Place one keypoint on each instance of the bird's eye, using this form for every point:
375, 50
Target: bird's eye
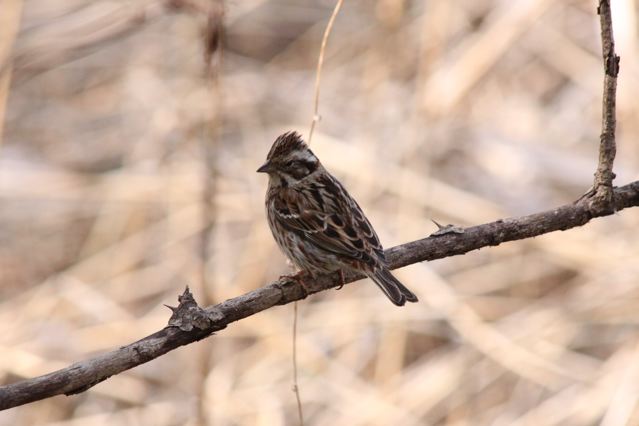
291, 163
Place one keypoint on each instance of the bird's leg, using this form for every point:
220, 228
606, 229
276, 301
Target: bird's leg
299, 278
341, 279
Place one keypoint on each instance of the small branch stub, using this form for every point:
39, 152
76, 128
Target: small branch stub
188, 314
446, 229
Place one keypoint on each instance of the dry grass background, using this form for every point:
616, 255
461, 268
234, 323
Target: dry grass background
463, 111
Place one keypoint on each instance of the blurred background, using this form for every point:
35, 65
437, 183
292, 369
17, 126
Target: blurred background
127, 171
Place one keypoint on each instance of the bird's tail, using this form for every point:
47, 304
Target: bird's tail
392, 288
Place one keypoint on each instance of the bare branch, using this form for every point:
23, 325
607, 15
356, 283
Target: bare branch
602, 188
190, 323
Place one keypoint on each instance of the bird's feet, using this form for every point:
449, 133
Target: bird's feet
300, 279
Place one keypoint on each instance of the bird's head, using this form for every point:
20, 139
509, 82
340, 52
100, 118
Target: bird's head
290, 160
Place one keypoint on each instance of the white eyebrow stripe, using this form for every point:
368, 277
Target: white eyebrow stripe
304, 155
290, 216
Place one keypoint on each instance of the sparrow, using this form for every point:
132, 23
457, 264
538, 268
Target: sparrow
317, 224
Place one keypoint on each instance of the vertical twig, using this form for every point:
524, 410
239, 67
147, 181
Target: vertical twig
212, 67
296, 389
320, 62
212, 62
602, 188
316, 117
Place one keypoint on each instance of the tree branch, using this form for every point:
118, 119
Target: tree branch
602, 188
190, 323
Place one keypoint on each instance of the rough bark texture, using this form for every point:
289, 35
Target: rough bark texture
190, 323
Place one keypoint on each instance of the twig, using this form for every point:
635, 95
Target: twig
296, 388
211, 131
316, 117
602, 188
192, 324
320, 62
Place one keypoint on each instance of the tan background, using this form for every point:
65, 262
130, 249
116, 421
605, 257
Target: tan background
464, 111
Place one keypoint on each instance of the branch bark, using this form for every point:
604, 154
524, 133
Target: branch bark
191, 323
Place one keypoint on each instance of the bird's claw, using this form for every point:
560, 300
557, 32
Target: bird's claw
299, 279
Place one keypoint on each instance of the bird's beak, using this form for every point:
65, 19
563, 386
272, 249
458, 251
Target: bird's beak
265, 168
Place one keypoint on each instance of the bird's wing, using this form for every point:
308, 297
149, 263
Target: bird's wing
324, 214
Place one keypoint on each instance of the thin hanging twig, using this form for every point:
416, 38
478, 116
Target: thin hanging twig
320, 62
296, 388
318, 75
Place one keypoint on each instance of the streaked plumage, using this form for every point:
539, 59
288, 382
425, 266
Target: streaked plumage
315, 221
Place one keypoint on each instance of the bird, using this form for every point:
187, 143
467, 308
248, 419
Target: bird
317, 224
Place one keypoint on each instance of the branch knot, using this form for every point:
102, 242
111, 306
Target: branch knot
188, 314
612, 63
